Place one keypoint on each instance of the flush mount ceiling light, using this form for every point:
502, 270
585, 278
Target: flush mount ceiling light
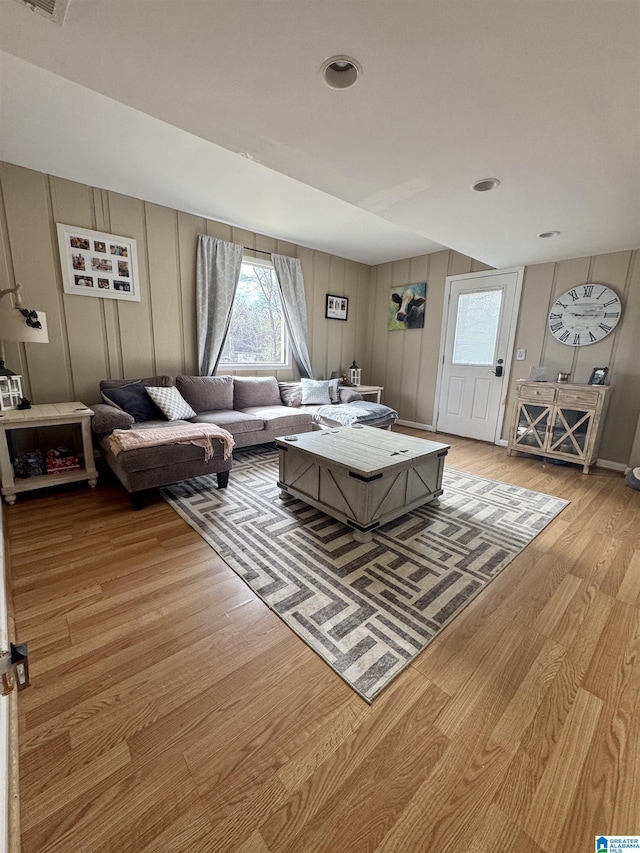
546, 235
340, 72
485, 184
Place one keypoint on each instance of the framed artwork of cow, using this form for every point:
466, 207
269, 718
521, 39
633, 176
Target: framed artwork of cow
406, 308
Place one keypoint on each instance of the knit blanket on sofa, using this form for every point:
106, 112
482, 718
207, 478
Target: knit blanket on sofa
202, 435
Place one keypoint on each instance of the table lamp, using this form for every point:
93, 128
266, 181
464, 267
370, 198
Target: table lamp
17, 324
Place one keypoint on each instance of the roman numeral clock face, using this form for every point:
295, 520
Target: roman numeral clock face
585, 315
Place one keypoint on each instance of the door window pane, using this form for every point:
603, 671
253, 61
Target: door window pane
477, 325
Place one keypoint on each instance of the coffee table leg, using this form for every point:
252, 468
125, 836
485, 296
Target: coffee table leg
283, 494
435, 502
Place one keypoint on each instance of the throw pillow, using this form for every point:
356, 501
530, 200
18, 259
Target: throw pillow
171, 403
291, 393
134, 400
348, 395
334, 390
319, 392
108, 418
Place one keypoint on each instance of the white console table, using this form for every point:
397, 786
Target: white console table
46, 415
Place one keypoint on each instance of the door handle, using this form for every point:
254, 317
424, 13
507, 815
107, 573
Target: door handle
499, 368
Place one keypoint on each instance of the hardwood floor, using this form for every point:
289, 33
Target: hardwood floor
172, 711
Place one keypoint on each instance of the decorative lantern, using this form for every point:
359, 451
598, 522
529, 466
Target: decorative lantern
355, 374
10, 388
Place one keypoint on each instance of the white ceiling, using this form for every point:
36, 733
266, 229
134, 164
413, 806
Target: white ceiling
217, 107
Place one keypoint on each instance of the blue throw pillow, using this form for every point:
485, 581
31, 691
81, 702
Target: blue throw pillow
134, 400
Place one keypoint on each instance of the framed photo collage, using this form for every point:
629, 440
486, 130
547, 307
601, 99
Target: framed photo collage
98, 264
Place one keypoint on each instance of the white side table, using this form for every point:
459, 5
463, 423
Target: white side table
48, 414
370, 391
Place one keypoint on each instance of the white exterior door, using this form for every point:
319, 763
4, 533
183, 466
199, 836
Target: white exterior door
479, 322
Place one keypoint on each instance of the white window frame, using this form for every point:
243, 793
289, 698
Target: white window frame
287, 364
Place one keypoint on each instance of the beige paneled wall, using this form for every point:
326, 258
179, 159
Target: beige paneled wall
92, 339
406, 362
619, 351
95, 338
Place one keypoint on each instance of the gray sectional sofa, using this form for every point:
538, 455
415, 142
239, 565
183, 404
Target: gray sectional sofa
255, 410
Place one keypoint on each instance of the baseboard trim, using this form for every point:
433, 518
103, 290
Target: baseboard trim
415, 425
612, 466
502, 442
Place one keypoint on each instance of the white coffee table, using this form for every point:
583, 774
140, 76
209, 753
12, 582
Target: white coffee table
364, 477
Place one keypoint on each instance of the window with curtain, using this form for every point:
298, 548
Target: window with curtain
257, 337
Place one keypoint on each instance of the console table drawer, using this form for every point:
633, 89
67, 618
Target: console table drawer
544, 394
577, 397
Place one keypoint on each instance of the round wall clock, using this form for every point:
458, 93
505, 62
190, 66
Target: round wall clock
585, 315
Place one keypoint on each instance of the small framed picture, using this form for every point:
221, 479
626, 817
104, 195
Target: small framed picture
98, 264
598, 375
337, 307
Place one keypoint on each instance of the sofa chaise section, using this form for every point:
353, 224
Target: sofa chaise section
151, 467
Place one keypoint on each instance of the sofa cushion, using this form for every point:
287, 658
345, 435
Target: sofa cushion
291, 393
234, 422
205, 393
280, 418
255, 391
133, 399
319, 392
171, 403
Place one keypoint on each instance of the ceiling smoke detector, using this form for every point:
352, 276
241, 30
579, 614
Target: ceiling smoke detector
54, 10
485, 184
340, 72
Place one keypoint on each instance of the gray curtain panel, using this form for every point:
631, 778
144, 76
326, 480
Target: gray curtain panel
217, 274
289, 274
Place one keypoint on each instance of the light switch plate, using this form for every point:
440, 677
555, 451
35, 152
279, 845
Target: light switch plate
521, 354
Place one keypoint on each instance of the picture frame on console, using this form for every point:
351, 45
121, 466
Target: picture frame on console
337, 307
598, 375
94, 263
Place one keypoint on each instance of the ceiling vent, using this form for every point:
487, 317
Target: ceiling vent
54, 10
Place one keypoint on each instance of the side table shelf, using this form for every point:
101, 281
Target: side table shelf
46, 415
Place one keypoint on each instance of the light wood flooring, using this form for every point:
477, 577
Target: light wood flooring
172, 711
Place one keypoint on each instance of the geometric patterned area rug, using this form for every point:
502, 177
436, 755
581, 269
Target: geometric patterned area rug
366, 609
